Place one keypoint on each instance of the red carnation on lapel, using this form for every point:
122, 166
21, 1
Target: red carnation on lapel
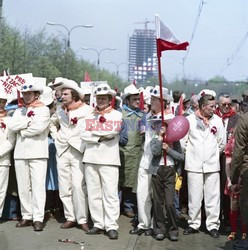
30, 113
3, 125
74, 120
213, 130
102, 119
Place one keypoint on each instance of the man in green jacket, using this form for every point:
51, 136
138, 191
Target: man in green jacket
239, 166
131, 153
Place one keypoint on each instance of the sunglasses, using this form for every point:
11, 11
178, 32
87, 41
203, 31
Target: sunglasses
27, 87
226, 104
100, 89
154, 91
156, 117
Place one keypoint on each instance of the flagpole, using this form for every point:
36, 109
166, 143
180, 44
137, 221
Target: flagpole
161, 93
165, 41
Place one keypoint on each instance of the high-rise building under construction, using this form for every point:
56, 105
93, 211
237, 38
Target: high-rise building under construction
142, 56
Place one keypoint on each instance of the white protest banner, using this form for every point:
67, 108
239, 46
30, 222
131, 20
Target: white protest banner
14, 81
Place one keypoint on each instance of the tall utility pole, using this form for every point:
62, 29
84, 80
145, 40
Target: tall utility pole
1, 9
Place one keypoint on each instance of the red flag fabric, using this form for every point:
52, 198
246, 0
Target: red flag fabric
166, 39
87, 77
141, 106
180, 106
113, 101
19, 99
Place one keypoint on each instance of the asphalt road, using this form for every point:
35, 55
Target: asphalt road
12, 238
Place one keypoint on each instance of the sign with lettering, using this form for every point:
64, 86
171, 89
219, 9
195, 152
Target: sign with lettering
13, 81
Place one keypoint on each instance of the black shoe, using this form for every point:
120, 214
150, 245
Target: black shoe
112, 234
149, 232
94, 230
214, 233
160, 237
189, 231
138, 231
24, 223
38, 226
173, 235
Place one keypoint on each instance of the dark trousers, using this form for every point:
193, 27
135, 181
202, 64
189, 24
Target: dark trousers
129, 200
183, 196
163, 186
244, 198
224, 199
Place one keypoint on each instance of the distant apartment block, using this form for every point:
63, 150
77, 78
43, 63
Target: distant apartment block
142, 56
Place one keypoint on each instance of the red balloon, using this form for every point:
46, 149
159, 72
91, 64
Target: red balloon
177, 128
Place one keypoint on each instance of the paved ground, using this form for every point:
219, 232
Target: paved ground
12, 238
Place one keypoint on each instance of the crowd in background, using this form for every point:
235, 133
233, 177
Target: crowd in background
89, 156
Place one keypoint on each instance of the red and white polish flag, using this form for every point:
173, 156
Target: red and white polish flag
166, 40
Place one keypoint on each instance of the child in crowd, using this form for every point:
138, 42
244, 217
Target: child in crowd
163, 184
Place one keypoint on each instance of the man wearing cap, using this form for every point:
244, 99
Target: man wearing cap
102, 159
229, 119
203, 145
65, 128
30, 123
144, 189
131, 153
7, 143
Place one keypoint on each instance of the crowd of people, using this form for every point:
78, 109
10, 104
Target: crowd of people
88, 161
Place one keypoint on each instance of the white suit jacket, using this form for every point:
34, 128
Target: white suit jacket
7, 143
202, 146
104, 152
65, 132
31, 132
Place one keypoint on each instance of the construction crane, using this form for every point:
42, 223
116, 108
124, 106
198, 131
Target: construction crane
145, 23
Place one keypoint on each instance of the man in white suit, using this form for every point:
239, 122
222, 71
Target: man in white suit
203, 145
65, 128
101, 158
7, 142
30, 123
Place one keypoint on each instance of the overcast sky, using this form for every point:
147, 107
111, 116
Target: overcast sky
221, 27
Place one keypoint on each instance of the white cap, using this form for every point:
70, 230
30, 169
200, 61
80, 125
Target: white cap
130, 90
104, 89
70, 84
156, 92
206, 92
47, 96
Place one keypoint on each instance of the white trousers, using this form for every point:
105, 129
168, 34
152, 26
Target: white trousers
31, 181
205, 186
144, 198
4, 179
102, 185
72, 185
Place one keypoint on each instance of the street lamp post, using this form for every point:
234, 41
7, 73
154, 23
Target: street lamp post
70, 30
99, 52
117, 65
1, 9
